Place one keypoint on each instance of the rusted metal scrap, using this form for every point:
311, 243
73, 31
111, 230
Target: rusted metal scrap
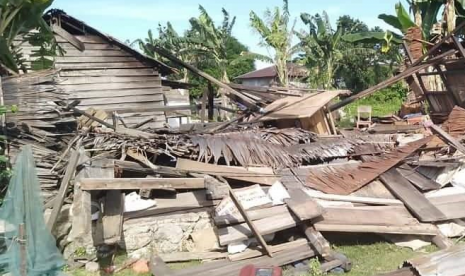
343, 181
455, 124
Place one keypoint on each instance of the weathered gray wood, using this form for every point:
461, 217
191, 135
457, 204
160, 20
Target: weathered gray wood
106, 52
121, 100
359, 199
319, 244
183, 202
76, 80
421, 182
110, 72
69, 88
192, 256
112, 219
84, 59
249, 222
67, 37
415, 201
420, 229
444, 135
227, 172
253, 214
158, 267
101, 65
303, 206
252, 253
141, 183
58, 202
265, 226
116, 93
77, 110
227, 268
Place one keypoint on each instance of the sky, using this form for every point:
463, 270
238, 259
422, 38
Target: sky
132, 19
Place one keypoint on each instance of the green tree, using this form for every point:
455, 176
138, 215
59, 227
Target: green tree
170, 40
366, 68
19, 17
322, 49
234, 50
277, 32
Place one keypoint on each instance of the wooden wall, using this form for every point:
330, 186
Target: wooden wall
106, 77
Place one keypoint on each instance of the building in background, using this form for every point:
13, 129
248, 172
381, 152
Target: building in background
269, 77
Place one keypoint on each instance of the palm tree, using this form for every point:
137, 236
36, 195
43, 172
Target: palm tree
19, 18
276, 32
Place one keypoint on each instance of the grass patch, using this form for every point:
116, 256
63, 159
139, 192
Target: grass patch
379, 257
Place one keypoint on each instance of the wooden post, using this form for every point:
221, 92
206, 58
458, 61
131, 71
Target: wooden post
22, 250
64, 185
115, 120
204, 106
249, 222
331, 120
211, 101
3, 119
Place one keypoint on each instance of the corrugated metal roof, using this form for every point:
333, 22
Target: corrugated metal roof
448, 262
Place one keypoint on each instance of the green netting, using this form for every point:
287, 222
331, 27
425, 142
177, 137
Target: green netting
23, 205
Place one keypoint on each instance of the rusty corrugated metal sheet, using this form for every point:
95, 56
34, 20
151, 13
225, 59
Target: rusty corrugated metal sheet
344, 180
448, 262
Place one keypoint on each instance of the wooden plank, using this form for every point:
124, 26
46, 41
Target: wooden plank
158, 267
421, 229
421, 182
226, 172
446, 137
92, 184
357, 199
249, 222
87, 39
252, 253
67, 37
265, 226
65, 183
100, 65
121, 100
84, 59
107, 79
415, 201
368, 215
303, 206
115, 93
227, 268
110, 72
128, 107
112, 219
192, 256
182, 202
211, 98
319, 244
253, 214
111, 86
104, 52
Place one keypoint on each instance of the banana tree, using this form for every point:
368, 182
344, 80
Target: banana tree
170, 40
425, 16
19, 17
277, 32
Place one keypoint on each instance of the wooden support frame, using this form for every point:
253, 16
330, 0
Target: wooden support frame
249, 222
95, 184
211, 101
446, 84
204, 106
65, 183
69, 37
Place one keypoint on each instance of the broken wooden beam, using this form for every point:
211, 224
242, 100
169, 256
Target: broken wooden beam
415, 201
249, 222
91, 184
65, 184
446, 136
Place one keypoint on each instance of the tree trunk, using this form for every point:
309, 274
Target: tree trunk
224, 99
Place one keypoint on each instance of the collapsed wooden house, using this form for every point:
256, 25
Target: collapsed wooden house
101, 72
